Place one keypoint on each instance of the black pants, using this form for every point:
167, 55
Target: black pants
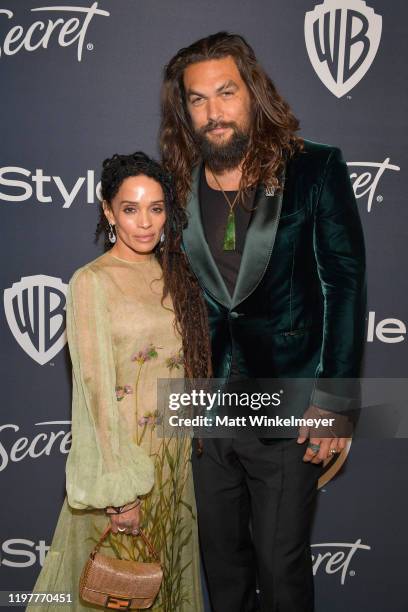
255, 508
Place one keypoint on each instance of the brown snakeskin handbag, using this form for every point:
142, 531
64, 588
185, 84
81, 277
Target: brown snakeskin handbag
119, 584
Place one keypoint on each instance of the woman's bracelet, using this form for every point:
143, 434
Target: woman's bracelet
122, 509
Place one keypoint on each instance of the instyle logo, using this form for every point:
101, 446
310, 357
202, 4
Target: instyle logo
342, 38
47, 189
66, 29
35, 312
48, 436
336, 557
20, 553
366, 183
19, 184
389, 331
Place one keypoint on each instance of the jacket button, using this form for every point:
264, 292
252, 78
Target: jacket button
234, 315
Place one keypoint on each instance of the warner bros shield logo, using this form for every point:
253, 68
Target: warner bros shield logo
342, 38
35, 312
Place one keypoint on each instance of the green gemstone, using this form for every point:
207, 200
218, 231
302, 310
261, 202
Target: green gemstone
229, 236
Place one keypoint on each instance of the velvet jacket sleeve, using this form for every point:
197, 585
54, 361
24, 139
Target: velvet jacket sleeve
104, 467
340, 259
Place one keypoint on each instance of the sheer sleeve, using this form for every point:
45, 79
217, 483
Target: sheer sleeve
104, 467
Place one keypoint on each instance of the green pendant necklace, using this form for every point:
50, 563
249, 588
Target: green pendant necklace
229, 235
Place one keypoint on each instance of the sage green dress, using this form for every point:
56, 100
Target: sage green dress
122, 339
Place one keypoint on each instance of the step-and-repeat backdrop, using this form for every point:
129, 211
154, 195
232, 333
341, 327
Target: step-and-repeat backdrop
80, 81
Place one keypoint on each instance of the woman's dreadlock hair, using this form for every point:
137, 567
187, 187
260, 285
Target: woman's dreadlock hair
189, 306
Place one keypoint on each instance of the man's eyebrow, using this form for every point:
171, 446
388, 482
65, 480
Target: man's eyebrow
226, 85
192, 92
229, 83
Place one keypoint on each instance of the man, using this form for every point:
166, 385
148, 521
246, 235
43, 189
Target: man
275, 240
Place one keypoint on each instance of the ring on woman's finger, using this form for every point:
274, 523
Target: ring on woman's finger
333, 451
135, 532
314, 447
122, 529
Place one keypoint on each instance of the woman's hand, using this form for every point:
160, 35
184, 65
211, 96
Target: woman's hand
127, 521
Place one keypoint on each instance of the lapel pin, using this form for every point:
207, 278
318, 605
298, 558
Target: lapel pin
269, 192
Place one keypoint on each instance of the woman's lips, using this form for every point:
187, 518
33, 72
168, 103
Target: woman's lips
146, 238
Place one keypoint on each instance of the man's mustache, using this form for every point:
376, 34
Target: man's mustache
212, 125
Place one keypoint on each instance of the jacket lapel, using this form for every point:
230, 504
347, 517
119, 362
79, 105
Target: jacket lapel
258, 247
259, 242
198, 251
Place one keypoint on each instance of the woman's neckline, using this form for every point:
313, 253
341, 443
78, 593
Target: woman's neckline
137, 262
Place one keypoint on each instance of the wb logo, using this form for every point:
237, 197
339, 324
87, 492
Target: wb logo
342, 38
35, 312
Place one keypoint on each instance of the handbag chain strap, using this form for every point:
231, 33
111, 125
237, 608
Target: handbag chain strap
144, 537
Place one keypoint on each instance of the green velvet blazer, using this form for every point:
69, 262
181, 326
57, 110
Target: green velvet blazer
298, 309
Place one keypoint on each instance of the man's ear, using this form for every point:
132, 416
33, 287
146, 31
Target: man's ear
108, 212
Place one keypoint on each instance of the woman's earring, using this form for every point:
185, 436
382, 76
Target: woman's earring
112, 235
161, 243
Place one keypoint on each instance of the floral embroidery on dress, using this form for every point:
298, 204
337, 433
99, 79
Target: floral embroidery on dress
146, 354
151, 418
170, 522
141, 357
174, 362
122, 391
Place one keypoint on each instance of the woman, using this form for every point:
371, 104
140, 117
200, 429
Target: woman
134, 315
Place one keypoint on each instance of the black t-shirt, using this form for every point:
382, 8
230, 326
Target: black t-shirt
214, 215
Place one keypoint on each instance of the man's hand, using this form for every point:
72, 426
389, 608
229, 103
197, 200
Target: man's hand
326, 440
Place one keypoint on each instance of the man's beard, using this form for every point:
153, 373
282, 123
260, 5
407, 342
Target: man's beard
226, 155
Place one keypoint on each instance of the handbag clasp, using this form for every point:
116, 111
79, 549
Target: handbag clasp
117, 603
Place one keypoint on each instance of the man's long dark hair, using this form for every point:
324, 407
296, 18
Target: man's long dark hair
179, 282
273, 137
